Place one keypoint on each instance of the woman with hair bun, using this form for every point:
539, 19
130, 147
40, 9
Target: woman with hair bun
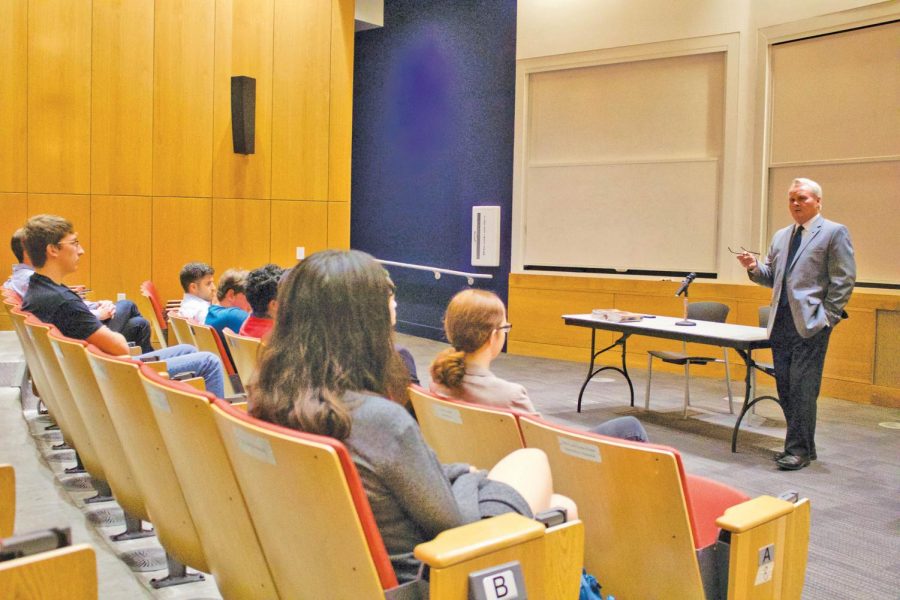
330, 368
476, 326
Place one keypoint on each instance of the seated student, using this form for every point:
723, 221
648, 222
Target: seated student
53, 246
199, 288
233, 308
320, 376
122, 317
22, 271
262, 294
476, 327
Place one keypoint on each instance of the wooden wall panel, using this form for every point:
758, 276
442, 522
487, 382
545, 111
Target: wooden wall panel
243, 47
851, 349
122, 98
77, 209
301, 99
181, 233
14, 208
887, 349
297, 224
339, 225
341, 96
240, 233
59, 96
14, 115
183, 98
120, 245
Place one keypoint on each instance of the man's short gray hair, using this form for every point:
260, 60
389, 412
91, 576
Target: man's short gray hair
814, 187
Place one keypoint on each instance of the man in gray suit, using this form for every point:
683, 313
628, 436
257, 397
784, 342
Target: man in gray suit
811, 270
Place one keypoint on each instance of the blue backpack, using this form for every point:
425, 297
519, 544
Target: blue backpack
590, 589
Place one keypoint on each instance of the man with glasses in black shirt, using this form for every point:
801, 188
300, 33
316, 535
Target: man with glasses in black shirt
55, 252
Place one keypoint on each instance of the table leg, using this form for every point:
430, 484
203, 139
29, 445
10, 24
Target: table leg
748, 403
591, 372
590, 367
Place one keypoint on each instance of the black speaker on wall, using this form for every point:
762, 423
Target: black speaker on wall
243, 114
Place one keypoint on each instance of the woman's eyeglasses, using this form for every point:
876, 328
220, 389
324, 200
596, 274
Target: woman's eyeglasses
505, 328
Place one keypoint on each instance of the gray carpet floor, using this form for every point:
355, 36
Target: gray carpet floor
853, 487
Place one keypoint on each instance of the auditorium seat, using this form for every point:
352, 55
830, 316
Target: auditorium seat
207, 339
126, 400
73, 359
69, 573
7, 500
309, 486
464, 432
181, 327
158, 322
185, 419
18, 317
652, 531
62, 405
245, 352
715, 312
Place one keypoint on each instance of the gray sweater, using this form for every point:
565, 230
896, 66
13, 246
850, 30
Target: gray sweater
414, 497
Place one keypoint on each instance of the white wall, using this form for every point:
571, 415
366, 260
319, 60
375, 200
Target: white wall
548, 27
554, 33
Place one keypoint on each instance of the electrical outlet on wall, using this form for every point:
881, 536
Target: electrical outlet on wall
301, 252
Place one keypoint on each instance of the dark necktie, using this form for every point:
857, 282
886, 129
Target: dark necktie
792, 252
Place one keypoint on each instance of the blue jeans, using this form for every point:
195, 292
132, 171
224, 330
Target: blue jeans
624, 428
185, 357
129, 322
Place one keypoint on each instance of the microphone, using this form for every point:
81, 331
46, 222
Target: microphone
684, 284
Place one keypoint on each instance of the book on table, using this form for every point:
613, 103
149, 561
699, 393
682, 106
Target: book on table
614, 315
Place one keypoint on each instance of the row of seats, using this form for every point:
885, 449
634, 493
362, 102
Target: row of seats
204, 338
651, 530
270, 512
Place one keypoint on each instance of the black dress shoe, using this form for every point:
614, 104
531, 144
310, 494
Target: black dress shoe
779, 455
792, 463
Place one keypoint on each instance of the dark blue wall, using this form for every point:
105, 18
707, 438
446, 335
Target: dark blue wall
433, 111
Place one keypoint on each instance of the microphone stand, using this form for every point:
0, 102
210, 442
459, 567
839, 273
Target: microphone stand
685, 322
684, 288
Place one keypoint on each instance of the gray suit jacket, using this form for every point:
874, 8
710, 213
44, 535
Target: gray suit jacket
819, 280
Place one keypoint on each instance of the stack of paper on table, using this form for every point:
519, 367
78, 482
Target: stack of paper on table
616, 316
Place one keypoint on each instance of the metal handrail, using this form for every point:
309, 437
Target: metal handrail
437, 271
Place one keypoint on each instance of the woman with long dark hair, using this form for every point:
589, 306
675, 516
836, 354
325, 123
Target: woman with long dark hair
330, 368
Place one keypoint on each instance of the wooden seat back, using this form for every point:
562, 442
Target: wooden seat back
464, 432
100, 427
207, 339
7, 500
73, 419
69, 573
631, 498
18, 317
316, 529
648, 523
160, 327
126, 400
182, 329
186, 422
245, 353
